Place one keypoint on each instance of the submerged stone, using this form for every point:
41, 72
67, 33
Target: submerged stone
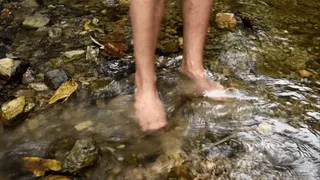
36, 21
27, 77
92, 53
55, 78
14, 111
55, 177
29, 4
226, 21
59, 149
305, 73
75, 54
172, 47
118, 69
83, 154
39, 86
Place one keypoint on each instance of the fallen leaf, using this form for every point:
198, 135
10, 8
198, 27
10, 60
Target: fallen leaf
114, 48
64, 91
39, 166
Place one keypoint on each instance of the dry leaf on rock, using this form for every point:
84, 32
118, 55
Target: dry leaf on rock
64, 91
114, 48
39, 166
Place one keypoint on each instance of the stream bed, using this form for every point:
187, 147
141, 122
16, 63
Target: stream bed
268, 129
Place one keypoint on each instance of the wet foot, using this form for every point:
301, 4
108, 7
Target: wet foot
199, 84
149, 111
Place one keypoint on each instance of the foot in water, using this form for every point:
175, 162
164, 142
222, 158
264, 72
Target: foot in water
149, 111
199, 84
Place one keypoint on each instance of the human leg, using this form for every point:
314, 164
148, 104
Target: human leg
146, 16
196, 14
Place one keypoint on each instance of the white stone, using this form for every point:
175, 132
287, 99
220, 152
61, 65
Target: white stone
74, 53
38, 86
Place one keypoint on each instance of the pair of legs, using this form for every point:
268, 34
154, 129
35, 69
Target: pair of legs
146, 16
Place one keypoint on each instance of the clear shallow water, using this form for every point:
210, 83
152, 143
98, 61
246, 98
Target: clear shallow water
265, 138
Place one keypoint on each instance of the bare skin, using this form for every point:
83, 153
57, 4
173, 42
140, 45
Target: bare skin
146, 18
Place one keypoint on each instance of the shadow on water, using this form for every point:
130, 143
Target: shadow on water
267, 129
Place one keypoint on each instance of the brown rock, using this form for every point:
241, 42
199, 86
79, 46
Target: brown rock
226, 21
305, 73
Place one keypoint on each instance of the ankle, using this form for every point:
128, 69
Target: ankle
193, 71
145, 85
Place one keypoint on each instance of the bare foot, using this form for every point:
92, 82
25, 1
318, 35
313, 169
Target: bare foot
149, 111
201, 84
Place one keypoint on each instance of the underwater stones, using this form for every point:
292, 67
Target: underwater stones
305, 73
226, 21
74, 54
172, 47
36, 21
92, 53
59, 148
55, 32
15, 110
29, 4
83, 154
55, 177
55, 78
27, 77
118, 69
38, 86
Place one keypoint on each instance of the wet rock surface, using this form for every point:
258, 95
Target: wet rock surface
84, 153
36, 21
15, 110
55, 78
118, 69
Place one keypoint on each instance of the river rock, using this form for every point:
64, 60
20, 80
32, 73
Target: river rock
36, 21
92, 53
14, 111
55, 177
83, 154
55, 78
27, 77
75, 54
59, 149
55, 32
118, 69
29, 4
226, 21
304, 73
8, 67
39, 86
172, 47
